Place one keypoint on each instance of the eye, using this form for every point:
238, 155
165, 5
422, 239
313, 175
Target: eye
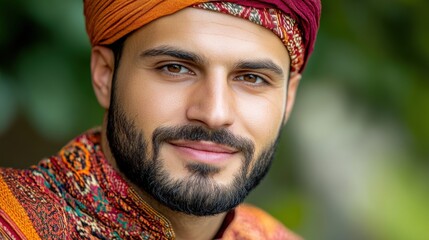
176, 69
252, 79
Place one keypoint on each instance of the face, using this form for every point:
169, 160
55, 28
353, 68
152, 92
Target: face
197, 104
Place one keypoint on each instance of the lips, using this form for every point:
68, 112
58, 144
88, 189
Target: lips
203, 151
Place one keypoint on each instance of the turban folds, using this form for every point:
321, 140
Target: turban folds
109, 20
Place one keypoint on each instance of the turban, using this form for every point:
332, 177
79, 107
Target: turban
295, 21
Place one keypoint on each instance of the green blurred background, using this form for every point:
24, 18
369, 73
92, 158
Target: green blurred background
353, 162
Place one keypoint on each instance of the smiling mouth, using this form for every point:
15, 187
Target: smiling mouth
203, 151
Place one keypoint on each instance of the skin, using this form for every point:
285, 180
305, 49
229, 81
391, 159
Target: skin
230, 83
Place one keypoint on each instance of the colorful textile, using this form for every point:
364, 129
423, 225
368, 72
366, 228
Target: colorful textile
109, 20
77, 194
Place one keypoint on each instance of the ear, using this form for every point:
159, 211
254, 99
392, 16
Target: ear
102, 68
291, 94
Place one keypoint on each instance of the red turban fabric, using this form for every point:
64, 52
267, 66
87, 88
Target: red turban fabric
109, 20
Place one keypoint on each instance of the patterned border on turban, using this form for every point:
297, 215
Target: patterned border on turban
296, 22
280, 24
306, 13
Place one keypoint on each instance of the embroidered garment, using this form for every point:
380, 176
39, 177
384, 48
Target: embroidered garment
77, 194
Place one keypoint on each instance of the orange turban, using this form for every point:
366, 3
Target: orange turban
296, 23
109, 20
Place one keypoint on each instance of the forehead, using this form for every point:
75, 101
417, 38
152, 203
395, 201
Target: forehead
211, 35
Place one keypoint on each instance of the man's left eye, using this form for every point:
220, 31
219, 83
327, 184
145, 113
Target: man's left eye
176, 68
251, 78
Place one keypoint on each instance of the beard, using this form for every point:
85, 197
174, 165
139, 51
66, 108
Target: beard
197, 194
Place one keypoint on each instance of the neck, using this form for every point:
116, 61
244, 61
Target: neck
185, 226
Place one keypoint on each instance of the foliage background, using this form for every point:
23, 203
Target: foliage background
353, 162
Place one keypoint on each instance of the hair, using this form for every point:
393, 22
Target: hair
117, 48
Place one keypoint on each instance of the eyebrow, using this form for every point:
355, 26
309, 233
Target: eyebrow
261, 64
172, 52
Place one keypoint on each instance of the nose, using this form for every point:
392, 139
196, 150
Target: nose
211, 103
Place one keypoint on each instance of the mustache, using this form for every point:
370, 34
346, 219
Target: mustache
200, 133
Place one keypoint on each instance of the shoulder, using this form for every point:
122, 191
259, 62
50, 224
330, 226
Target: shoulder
14, 222
27, 208
253, 223
17, 182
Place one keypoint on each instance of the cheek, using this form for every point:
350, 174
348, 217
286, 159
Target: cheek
151, 103
262, 117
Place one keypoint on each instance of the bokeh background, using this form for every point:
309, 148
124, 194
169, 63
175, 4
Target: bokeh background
353, 162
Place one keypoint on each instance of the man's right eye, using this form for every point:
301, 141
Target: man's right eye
176, 69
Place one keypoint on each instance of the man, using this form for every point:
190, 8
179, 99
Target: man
195, 95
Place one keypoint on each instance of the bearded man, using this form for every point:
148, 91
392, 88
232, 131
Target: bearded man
195, 94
